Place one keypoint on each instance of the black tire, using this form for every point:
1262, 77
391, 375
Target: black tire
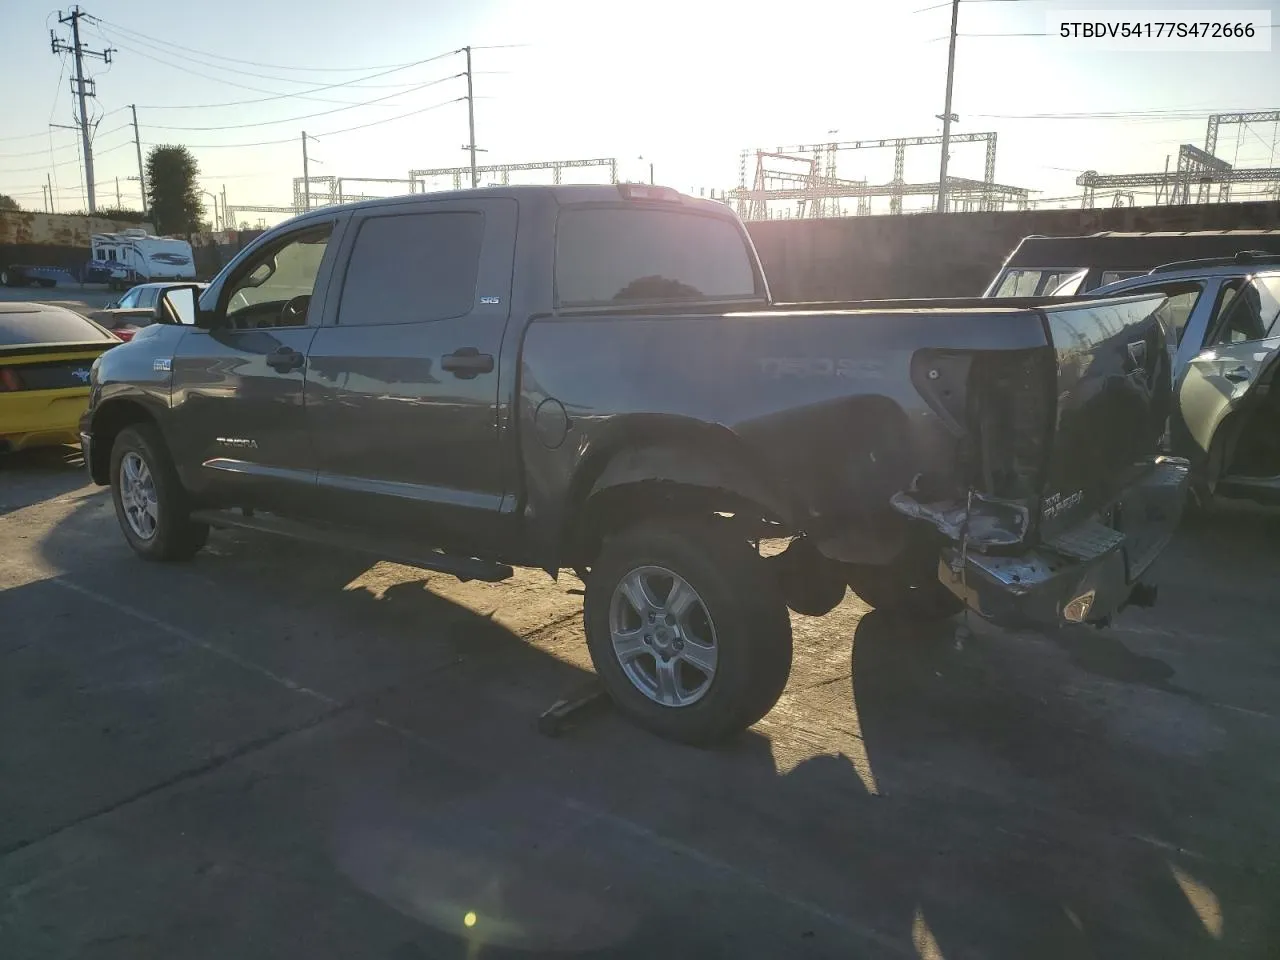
6, 279
48, 283
175, 536
742, 599
811, 585
895, 590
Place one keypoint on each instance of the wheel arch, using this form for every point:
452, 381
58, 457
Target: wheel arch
664, 466
109, 419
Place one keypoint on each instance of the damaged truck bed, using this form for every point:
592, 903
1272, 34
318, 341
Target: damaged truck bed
596, 378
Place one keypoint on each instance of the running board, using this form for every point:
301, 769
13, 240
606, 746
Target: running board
383, 548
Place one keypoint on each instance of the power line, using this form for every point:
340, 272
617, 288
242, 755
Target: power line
330, 133
305, 94
186, 68
65, 146
66, 163
308, 116
947, 3
254, 63
306, 82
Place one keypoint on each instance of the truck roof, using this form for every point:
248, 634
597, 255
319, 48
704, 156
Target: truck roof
560, 193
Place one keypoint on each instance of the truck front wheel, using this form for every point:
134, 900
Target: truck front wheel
687, 629
150, 503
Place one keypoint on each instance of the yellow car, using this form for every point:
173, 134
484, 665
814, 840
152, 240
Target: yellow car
46, 354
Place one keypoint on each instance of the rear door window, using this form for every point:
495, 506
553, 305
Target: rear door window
1247, 312
130, 299
147, 297
618, 255
413, 267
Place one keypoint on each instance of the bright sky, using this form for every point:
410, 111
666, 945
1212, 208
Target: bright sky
685, 85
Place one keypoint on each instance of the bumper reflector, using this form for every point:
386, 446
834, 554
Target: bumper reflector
1076, 610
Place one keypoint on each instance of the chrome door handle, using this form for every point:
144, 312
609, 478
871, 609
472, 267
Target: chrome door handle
1238, 374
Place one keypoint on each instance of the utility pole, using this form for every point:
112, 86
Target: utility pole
947, 115
225, 224
82, 88
48, 178
306, 177
137, 143
471, 122
117, 193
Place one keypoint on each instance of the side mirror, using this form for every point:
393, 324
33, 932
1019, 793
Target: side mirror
178, 305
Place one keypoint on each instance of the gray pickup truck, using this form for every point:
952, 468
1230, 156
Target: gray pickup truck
595, 378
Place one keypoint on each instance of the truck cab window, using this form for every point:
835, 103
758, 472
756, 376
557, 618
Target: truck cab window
413, 267
147, 297
618, 255
129, 300
276, 286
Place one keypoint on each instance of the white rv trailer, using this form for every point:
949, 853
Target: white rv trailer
146, 257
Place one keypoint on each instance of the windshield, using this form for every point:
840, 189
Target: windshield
1041, 281
612, 255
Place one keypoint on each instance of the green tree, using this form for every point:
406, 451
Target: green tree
122, 214
174, 198
8, 203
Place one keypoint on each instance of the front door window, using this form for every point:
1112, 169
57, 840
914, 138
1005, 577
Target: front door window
276, 287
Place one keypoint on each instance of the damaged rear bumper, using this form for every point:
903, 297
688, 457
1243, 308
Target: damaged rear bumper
1086, 574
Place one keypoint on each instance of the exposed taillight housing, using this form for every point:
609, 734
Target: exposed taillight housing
9, 379
1012, 404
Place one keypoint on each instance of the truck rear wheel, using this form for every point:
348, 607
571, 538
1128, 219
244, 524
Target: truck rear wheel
150, 503
687, 629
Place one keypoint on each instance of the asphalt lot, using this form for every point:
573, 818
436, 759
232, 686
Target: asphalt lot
268, 752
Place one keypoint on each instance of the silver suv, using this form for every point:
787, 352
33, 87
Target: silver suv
1224, 315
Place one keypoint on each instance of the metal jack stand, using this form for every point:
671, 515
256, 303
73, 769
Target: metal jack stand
567, 713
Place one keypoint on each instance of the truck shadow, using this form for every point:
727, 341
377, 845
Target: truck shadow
29, 476
1005, 803
1039, 825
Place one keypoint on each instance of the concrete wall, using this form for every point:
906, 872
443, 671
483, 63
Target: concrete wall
949, 255
53, 239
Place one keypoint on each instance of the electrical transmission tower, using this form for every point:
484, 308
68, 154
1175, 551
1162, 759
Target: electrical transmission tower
83, 88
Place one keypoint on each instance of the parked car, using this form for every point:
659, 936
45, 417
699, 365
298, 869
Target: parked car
594, 378
136, 309
1223, 317
1077, 265
46, 354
